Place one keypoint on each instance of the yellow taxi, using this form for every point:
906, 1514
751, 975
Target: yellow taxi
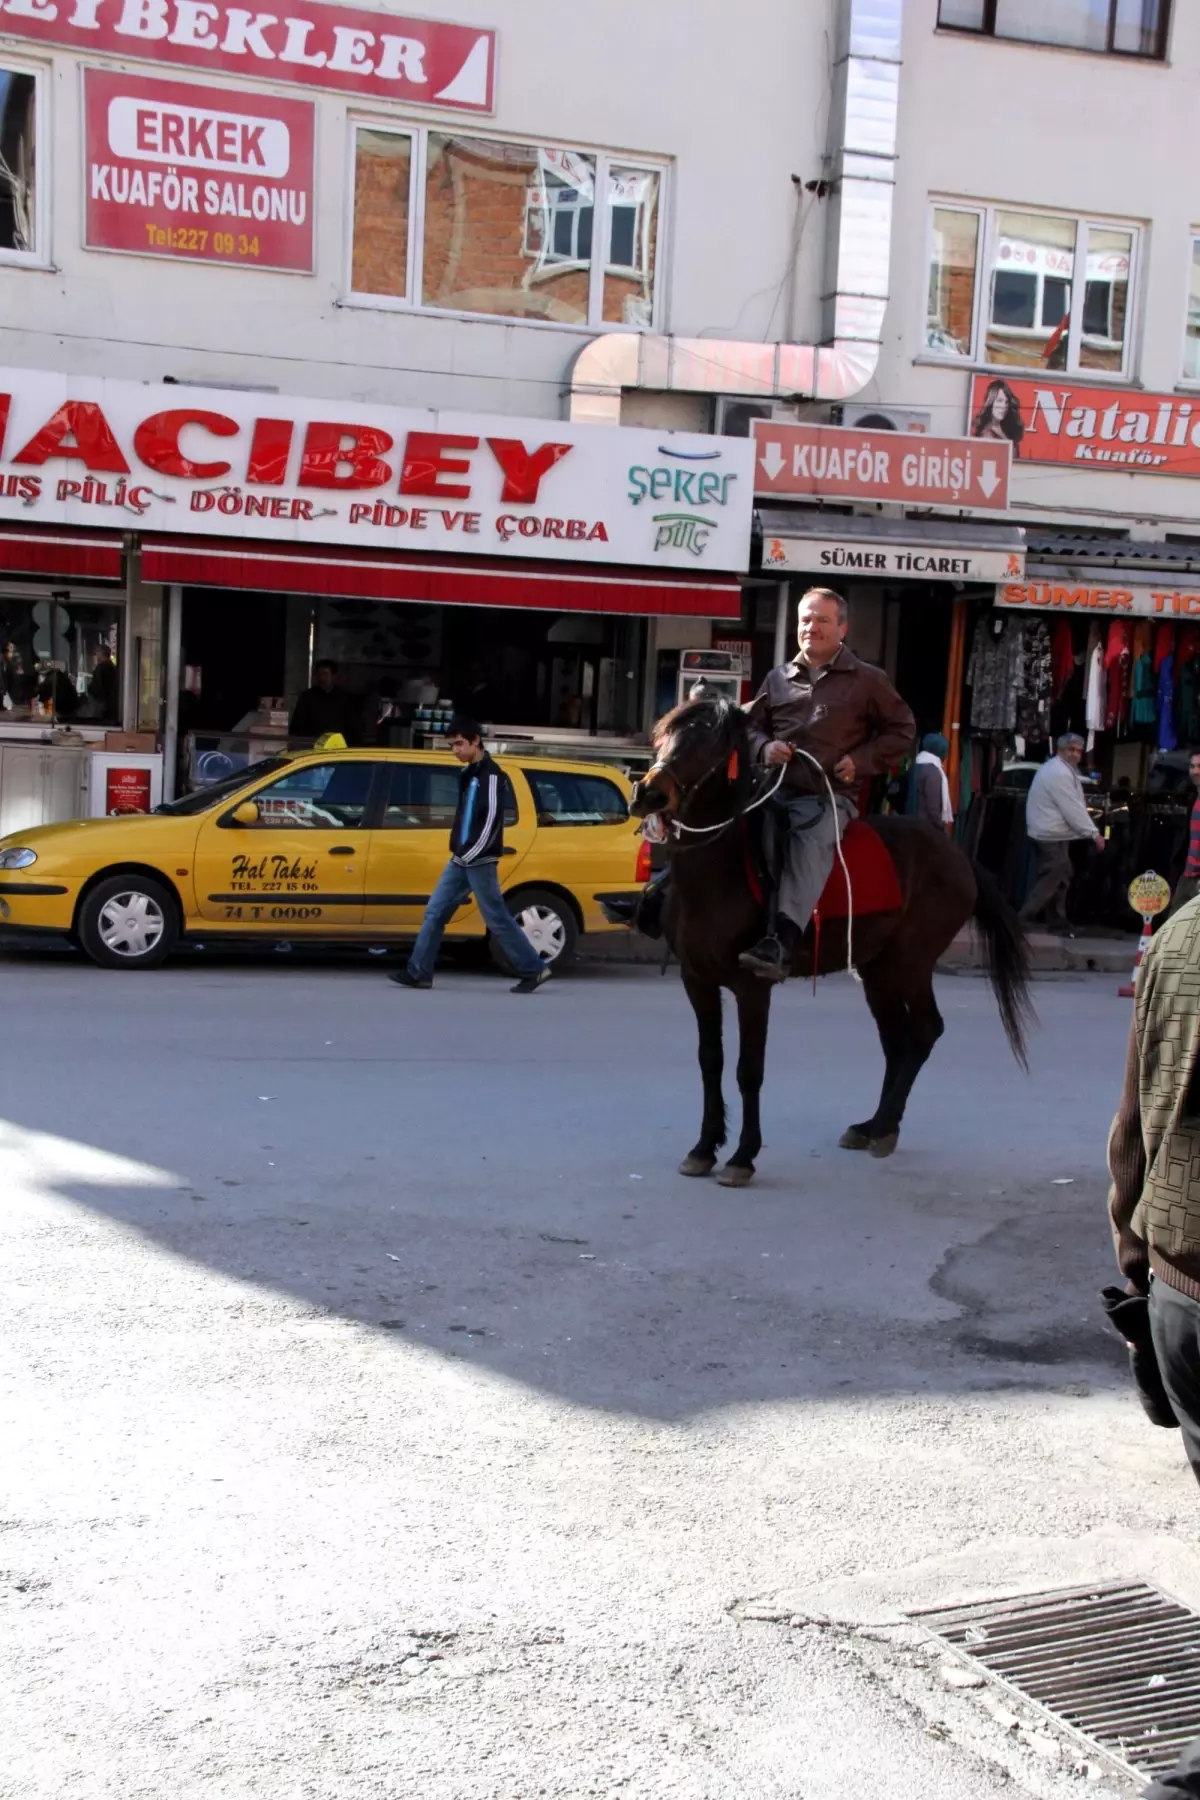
332, 847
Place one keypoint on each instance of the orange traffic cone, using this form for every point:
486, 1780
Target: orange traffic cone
1130, 989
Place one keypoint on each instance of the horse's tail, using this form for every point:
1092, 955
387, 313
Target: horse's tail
1006, 958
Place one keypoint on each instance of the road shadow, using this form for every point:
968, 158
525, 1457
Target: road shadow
494, 1181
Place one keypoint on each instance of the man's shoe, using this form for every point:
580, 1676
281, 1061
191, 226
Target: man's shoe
403, 979
766, 959
529, 984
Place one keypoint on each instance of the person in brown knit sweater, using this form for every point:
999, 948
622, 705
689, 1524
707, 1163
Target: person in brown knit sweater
1154, 1204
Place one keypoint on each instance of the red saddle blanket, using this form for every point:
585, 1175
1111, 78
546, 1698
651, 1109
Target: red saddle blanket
873, 878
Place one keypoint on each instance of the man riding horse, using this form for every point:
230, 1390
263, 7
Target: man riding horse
851, 721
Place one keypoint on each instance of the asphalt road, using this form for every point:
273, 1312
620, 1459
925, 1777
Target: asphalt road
383, 1416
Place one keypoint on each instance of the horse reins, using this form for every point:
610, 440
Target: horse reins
677, 825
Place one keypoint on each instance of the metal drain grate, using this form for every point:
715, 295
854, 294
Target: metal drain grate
1119, 1664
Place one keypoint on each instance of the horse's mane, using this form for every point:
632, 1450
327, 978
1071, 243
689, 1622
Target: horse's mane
722, 721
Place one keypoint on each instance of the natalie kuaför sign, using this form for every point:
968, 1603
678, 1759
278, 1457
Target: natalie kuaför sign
1049, 419
86, 451
312, 42
207, 174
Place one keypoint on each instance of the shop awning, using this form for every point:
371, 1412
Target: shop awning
842, 544
70, 555
442, 581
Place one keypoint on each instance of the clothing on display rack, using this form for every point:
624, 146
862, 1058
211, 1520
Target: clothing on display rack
1166, 703
1063, 655
1143, 709
1095, 688
1164, 644
1118, 663
994, 673
1037, 683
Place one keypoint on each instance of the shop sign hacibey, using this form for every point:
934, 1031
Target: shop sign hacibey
313, 42
92, 452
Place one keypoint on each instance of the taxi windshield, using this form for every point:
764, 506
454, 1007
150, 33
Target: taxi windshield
206, 797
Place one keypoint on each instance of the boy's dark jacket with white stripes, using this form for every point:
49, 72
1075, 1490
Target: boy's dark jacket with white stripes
477, 835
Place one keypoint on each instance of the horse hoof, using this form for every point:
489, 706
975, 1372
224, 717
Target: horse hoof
697, 1165
735, 1175
883, 1146
855, 1137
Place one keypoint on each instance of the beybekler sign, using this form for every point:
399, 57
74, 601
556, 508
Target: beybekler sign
1062, 421
206, 174
82, 450
312, 42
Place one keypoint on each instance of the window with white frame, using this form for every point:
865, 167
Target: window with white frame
1029, 290
514, 230
21, 226
1191, 340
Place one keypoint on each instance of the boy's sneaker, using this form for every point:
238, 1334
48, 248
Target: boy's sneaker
529, 984
404, 979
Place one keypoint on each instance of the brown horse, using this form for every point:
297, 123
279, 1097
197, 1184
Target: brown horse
704, 784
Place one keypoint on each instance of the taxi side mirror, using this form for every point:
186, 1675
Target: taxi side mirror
245, 814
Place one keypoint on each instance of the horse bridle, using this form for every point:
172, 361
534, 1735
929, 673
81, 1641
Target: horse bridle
683, 792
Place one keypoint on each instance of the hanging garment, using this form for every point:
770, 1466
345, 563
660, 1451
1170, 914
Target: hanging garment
1062, 653
1144, 707
994, 674
1118, 662
1187, 647
966, 763
1143, 639
1095, 687
1036, 686
1164, 643
1166, 704
1187, 717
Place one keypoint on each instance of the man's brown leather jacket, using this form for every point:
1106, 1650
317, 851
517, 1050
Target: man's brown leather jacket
850, 709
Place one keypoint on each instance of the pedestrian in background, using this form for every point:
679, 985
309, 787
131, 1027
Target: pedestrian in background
1154, 1203
1188, 885
476, 846
931, 788
1056, 816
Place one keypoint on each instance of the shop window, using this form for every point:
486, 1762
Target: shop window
565, 799
317, 797
1117, 27
382, 186
20, 229
1054, 292
1191, 342
424, 797
60, 659
510, 230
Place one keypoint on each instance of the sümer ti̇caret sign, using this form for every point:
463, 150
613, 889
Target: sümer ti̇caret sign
1051, 420
91, 452
199, 173
380, 54
1102, 597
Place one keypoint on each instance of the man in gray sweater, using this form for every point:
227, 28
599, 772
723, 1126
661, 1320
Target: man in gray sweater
1056, 816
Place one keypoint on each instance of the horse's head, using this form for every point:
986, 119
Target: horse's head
702, 742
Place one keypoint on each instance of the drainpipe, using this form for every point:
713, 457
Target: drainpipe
863, 116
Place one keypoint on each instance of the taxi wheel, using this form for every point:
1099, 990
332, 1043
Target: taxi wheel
547, 922
129, 922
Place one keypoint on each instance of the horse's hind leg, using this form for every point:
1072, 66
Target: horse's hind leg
909, 1026
754, 1010
706, 1004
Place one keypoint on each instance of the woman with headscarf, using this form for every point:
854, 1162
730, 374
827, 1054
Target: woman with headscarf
931, 788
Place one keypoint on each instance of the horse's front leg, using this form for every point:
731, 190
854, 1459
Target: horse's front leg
754, 1011
705, 997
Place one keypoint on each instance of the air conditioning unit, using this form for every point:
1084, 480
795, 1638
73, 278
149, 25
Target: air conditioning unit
865, 416
732, 418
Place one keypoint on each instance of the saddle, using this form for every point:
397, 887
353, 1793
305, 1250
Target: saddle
873, 878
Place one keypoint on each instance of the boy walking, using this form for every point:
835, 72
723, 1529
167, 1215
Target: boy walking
476, 846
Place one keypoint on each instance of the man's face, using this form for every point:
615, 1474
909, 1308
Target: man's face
1072, 754
819, 632
325, 680
465, 749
